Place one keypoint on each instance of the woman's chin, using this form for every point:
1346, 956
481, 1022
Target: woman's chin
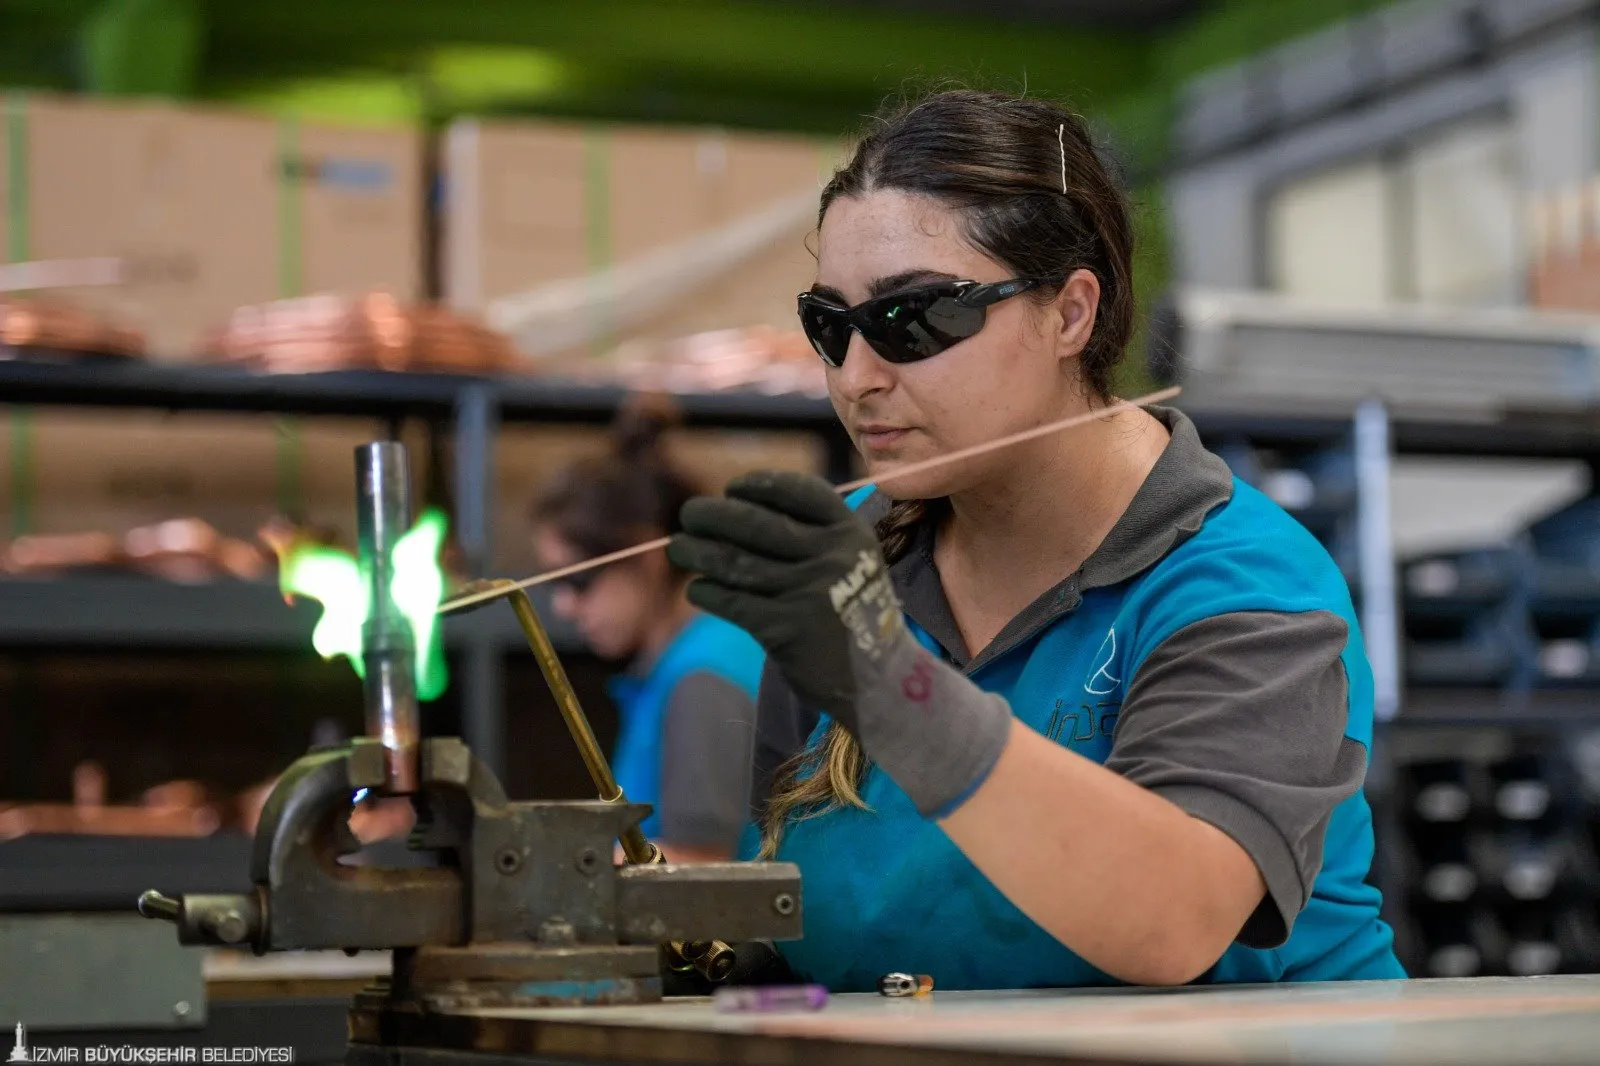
924, 486
604, 648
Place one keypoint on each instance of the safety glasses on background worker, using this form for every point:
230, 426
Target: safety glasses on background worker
581, 582
906, 326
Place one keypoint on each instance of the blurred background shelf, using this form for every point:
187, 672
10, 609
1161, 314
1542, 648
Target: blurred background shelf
463, 415
124, 383
135, 612
92, 382
88, 873
1478, 706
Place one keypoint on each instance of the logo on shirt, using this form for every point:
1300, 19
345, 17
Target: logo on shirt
1083, 722
1102, 682
1093, 714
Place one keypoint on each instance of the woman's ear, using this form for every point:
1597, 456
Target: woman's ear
1076, 306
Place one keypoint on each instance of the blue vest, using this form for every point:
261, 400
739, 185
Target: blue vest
707, 643
885, 889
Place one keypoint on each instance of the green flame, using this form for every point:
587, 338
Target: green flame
333, 578
418, 589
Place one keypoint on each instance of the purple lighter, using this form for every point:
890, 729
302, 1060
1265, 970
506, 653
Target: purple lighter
771, 998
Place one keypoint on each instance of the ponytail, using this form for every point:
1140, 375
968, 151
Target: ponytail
633, 492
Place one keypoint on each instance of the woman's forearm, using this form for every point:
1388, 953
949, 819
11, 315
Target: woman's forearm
1126, 879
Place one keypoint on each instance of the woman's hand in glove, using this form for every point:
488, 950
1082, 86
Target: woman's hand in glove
784, 558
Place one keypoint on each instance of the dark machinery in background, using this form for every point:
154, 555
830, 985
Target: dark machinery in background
516, 904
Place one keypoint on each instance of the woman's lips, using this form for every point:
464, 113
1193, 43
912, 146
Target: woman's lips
879, 437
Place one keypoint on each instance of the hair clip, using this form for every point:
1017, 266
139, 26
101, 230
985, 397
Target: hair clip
1061, 141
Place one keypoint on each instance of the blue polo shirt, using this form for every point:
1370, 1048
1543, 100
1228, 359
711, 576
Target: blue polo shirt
683, 743
1207, 650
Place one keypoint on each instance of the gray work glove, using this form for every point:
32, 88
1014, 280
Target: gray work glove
784, 558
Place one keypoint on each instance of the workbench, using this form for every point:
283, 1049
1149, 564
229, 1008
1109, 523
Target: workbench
1533, 1021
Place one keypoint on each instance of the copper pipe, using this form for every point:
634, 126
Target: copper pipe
388, 646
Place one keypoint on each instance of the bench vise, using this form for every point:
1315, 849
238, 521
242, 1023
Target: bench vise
512, 904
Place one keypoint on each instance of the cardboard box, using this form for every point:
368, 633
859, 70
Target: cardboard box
362, 210
209, 210
532, 203
10, 206
81, 470
515, 208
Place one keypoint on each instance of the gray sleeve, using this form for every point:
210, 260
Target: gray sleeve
782, 728
705, 769
1240, 719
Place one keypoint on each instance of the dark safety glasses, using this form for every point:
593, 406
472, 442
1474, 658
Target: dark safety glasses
909, 325
582, 581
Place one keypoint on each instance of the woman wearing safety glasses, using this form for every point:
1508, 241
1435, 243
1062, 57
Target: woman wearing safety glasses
1074, 712
686, 702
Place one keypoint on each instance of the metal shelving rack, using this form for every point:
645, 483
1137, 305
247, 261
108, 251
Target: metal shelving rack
132, 612
1453, 382
1400, 430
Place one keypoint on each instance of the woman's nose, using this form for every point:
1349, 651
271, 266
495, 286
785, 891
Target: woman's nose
864, 372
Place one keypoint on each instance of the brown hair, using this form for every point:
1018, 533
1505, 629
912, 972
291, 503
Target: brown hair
1031, 192
608, 502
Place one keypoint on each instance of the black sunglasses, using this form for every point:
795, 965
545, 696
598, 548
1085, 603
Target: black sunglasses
582, 581
909, 325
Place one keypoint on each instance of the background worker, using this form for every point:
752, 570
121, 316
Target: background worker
686, 700
1084, 710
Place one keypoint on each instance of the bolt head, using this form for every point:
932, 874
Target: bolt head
231, 927
557, 932
783, 903
181, 1009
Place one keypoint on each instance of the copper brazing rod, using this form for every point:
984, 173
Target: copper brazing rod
490, 590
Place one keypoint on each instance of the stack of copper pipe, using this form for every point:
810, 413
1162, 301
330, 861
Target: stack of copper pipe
378, 332
178, 809
372, 332
183, 549
172, 809
755, 359
51, 325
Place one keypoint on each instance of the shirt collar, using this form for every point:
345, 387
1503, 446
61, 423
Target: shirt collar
1186, 484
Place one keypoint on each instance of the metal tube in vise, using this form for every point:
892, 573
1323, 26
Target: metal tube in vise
383, 515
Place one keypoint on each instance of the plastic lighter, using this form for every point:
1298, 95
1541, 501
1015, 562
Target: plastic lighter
771, 998
898, 985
